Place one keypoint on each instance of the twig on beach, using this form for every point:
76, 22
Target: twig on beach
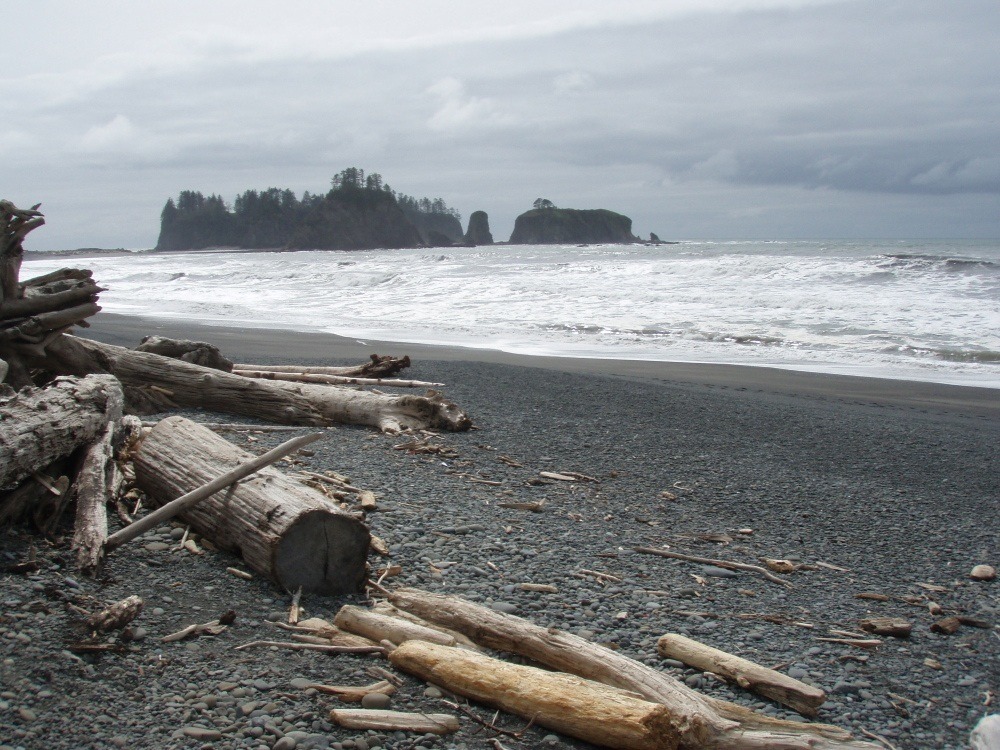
729, 565
313, 647
881, 740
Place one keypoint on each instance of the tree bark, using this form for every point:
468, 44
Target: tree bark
170, 382
731, 727
282, 529
40, 425
786, 690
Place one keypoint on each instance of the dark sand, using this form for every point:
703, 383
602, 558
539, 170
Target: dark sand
305, 348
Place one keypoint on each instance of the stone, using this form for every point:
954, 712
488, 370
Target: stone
202, 733
983, 573
376, 701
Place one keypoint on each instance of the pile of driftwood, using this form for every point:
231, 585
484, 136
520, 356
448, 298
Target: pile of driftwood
579, 688
68, 432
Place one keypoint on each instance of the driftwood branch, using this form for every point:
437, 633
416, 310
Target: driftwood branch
805, 699
728, 564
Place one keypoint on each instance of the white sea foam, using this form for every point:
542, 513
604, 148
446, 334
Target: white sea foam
918, 310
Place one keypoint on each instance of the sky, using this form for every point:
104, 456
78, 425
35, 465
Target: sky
696, 118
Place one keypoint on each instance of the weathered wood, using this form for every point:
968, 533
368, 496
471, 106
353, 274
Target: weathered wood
380, 627
33, 498
196, 352
584, 709
93, 487
395, 721
190, 499
78, 293
786, 690
117, 616
307, 377
40, 425
188, 384
732, 727
728, 564
380, 366
282, 529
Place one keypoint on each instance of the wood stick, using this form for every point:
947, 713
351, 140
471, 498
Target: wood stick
397, 721
718, 563
780, 687
306, 377
313, 647
185, 502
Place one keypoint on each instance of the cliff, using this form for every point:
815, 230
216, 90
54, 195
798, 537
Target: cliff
549, 226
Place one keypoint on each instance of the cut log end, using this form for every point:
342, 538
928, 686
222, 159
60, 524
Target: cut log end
322, 553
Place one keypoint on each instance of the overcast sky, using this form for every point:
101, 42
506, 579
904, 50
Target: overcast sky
697, 118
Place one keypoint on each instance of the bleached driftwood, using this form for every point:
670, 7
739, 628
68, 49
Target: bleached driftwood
788, 691
394, 721
731, 727
379, 366
378, 627
161, 382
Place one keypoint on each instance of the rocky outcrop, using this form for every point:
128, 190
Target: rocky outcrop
550, 226
354, 219
434, 226
479, 229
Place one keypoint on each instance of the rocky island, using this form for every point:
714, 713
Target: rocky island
545, 224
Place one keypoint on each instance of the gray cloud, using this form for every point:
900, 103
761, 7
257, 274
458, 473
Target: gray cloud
767, 119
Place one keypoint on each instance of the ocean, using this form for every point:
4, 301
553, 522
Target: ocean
917, 310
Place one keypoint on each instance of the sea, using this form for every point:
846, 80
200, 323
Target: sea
908, 309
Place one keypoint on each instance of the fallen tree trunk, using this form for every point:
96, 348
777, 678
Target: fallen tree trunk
730, 726
282, 529
378, 627
298, 376
164, 382
40, 425
587, 710
196, 352
786, 690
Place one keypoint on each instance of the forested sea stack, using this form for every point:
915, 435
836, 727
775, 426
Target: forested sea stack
359, 212
547, 225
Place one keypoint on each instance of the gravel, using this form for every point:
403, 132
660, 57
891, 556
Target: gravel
892, 497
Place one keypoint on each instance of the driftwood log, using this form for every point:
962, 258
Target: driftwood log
282, 529
40, 425
786, 690
196, 352
727, 725
380, 366
158, 382
587, 710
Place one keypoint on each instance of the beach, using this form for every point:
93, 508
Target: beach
879, 487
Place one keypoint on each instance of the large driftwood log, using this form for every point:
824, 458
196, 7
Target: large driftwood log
40, 425
731, 726
587, 710
805, 699
169, 382
282, 529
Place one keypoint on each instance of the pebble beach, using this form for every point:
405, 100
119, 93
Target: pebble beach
865, 486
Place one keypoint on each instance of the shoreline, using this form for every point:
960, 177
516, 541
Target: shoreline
316, 348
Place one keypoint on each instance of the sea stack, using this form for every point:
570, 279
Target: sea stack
479, 229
